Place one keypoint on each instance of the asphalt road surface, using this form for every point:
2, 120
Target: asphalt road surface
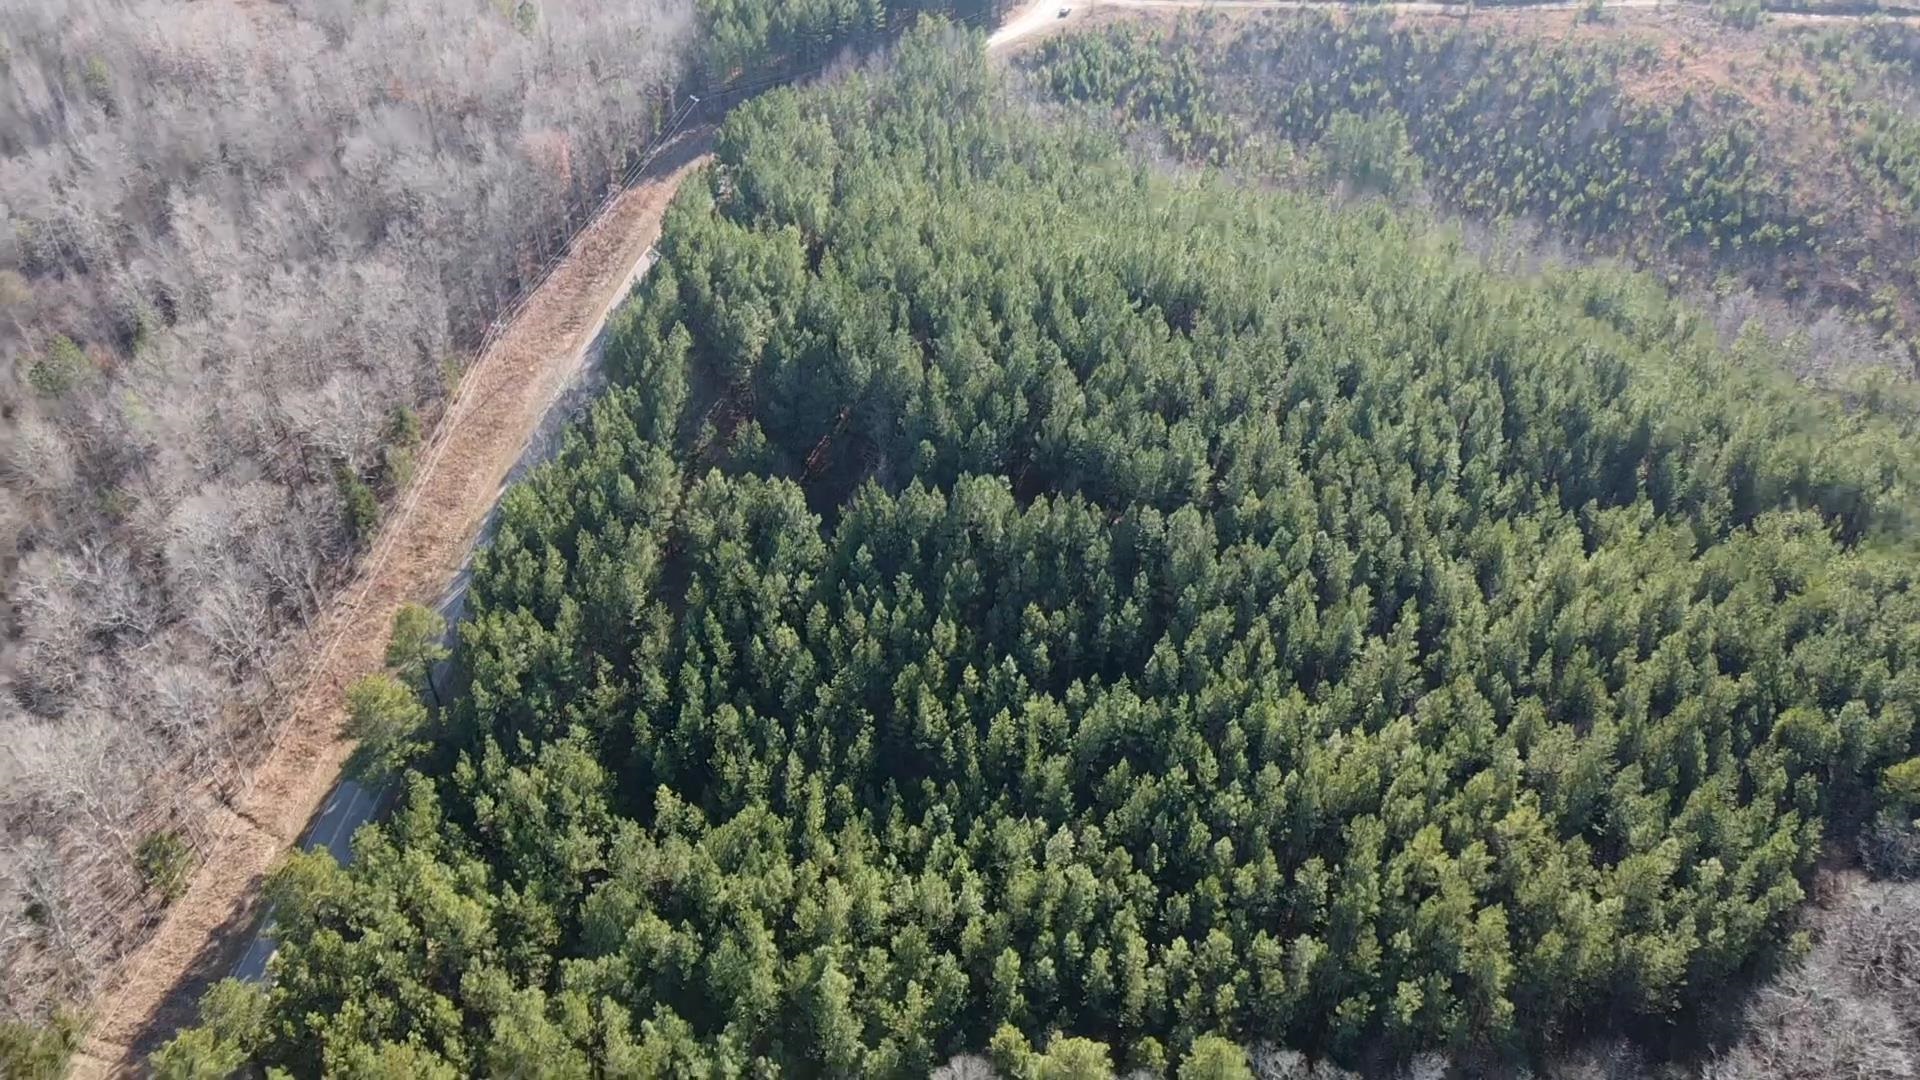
352, 804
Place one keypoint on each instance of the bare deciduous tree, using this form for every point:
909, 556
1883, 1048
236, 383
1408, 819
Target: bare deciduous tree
1851, 1008
236, 241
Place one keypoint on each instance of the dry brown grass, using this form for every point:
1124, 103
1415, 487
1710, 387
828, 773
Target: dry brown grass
497, 407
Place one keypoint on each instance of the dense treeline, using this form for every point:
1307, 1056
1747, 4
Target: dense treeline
1597, 135
802, 34
245, 248
1011, 596
1592, 158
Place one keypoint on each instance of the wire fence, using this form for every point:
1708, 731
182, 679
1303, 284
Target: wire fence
515, 306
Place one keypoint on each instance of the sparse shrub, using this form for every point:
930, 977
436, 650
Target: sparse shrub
386, 718
1010, 1052
166, 862
233, 1018
59, 370
361, 506
396, 468
397, 456
416, 645
1074, 1059
98, 80
1739, 14
1370, 153
1900, 787
1215, 1058
1148, 1056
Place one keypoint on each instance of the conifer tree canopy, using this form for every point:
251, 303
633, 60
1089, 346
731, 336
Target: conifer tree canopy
1009, 589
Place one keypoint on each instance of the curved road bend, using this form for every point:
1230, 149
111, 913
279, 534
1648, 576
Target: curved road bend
351, 804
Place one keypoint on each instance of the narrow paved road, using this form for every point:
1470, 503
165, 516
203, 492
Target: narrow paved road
352, 804
507, 407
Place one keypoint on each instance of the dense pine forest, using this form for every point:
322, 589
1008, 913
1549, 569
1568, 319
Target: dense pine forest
247, 250
1016, 601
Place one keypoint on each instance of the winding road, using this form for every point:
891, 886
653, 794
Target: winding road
352, 804
504, 417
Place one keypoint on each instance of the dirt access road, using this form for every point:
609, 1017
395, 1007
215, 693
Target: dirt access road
1040, 18
499, 405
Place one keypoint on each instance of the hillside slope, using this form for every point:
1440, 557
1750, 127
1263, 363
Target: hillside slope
1015, 599
1779, 159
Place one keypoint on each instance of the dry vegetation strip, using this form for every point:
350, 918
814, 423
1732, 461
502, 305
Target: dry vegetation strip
499, 403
